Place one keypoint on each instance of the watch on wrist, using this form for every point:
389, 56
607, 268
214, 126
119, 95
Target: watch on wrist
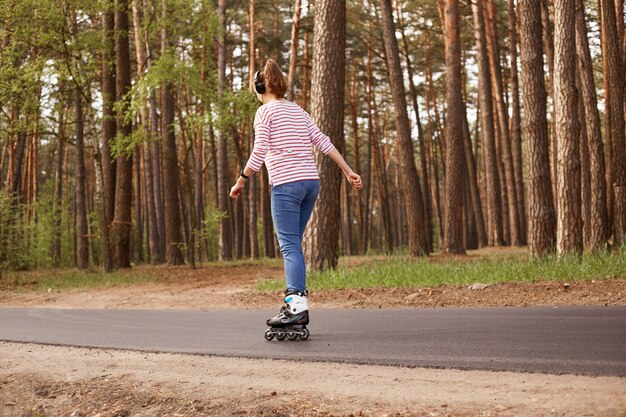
244, 176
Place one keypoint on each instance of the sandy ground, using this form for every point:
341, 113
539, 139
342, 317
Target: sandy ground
59, 381
51, 381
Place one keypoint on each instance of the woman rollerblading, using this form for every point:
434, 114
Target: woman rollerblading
284, 133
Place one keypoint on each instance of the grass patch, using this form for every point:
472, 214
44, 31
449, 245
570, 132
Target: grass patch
63, 280
402, 272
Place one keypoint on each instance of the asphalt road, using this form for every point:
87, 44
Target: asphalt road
590, 341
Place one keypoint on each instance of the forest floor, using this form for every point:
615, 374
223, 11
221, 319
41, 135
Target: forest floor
61, 381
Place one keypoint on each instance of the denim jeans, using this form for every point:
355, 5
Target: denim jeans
292, 205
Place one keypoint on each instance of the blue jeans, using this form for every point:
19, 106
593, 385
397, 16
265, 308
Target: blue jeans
292, 205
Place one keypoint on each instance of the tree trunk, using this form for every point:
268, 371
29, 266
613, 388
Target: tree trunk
109, 127
598, 217
158, 183
327, 99
58, 193
516, 126
380, 174
148, 158
585, 174
453, 229
569, 237
541, 217
82, 248
548, 42
173, 238
503, 120
225, 232
123, 195
428, 204
269, 249
359, 197
293, 51
614, 82
494, 210
411, 185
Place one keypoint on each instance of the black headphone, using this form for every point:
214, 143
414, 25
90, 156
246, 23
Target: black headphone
259, 85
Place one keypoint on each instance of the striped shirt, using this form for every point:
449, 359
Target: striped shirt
283, 134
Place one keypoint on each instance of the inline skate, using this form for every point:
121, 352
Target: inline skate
291, 322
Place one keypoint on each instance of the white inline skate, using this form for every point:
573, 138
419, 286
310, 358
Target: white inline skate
291, 322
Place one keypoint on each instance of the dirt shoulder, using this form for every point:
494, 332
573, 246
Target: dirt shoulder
224, 287
53, 381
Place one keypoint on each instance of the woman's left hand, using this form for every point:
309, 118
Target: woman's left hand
355, 180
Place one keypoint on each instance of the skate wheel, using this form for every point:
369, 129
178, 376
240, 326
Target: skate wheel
292, 336
305, 334
269, 335
281, 336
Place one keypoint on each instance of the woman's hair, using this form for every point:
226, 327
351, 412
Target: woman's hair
274, 79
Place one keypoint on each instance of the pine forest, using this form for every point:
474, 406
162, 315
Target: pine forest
473, 123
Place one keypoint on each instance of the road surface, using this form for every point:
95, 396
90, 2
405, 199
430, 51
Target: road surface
587, 340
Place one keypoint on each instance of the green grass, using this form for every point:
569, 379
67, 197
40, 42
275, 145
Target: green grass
402, 272
63, 280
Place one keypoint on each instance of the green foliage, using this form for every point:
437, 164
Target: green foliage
210, 231
400, 272
27, 233
125, 145
236, 109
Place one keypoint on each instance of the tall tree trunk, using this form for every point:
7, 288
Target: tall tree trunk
494, 210
453, 229
541, 217
380, 173
367, 184
474, 193
585, 174
598, 217
122, 221
58, 192
293, 51
109, 127
548, 42
173, 238
354, 114
148, 157
503, 120
82, 248
225, 232
428, 205
254, 187
327, 98
516, 126
159, 205
410, 184
269, 249
569, 237
614, 82
251, 46
304, 103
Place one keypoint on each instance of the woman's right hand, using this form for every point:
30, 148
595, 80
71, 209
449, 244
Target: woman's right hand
355, 180
235, 191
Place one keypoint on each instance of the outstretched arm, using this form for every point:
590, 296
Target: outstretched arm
353, 178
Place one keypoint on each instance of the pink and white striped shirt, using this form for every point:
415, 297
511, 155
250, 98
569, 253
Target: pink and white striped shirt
283, 134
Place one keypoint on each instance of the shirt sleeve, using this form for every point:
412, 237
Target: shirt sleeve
318, 138
262, 125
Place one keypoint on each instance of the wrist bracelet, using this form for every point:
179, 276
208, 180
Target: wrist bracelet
244, 176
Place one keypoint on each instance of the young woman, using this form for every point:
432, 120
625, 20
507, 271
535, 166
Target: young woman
284, 133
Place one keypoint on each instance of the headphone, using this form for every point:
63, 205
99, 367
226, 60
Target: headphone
259, 85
